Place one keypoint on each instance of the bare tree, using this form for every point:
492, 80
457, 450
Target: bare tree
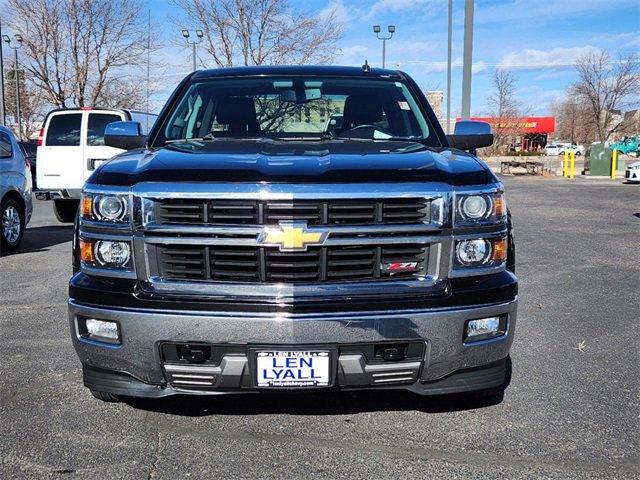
607, 88
258, 32
572, 119
81, 52
505, 108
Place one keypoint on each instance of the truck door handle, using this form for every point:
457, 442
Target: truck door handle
91, 162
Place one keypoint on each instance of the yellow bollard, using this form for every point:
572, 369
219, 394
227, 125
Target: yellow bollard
572, 166
565, 164
614, 164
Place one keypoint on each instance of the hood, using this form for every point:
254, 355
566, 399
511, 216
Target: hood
337, 161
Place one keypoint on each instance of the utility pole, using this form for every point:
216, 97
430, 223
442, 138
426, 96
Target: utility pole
391, 29
148, 67
467, 60
449, 42
15, 47
17, 78
3, 114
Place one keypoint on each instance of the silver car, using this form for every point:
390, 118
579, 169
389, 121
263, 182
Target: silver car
15, 191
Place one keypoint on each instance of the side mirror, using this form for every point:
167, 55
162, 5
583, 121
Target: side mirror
469, 135
124, 135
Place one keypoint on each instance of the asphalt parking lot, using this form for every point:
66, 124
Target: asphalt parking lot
572, 410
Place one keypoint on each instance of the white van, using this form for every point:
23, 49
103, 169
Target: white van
70, 147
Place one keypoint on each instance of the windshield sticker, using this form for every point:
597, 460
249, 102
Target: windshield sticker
404, 106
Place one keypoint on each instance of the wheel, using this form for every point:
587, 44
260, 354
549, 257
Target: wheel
578, 154
65, 210
104, 396
12, 215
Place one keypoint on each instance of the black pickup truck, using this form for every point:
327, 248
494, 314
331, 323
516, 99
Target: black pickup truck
253, 243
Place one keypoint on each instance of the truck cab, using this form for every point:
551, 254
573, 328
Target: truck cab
70, 147
247, 244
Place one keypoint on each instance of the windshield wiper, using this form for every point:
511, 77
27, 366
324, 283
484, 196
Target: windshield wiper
302, 138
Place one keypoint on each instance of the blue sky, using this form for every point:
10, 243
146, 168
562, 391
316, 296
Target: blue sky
537, 40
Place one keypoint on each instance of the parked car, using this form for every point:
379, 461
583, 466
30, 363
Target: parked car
238, 248
632, 172
15, 191
29, 150
70, 148
553, 149
578, 149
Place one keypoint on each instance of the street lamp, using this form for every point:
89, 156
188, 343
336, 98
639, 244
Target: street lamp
391, 29
15, 46
3, 115
187, 34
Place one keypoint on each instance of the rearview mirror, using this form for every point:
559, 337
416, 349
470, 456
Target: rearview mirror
469, 135
124, 135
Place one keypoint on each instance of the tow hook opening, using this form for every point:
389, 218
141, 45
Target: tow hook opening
391, 353
194, 353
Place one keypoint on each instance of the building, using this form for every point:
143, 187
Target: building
528, 133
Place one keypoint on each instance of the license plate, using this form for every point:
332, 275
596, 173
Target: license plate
280, 368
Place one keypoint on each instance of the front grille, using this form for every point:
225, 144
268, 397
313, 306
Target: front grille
268, 264
314, 212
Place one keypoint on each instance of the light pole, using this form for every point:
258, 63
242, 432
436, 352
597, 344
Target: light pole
199, 34
15, 46
391, 29
3, 115
467, 60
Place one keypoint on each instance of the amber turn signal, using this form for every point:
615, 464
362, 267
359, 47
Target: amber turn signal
86, 252
86, 206
499, 209
499, 253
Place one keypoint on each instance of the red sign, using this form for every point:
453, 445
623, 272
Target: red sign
520, 125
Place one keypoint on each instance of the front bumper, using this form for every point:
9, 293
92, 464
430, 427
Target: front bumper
448, 365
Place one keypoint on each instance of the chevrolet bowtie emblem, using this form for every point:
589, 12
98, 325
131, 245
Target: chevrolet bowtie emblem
291, 236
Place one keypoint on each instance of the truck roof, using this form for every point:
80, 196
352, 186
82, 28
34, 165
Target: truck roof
311, 70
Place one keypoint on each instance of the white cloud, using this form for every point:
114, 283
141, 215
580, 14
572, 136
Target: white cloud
531, 58
478, 66
354, 55
340, 12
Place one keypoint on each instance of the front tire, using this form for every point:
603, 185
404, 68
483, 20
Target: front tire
105, 397
11, 224
65, 210
492, 396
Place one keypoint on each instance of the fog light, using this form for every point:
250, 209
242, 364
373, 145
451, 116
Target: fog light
485, 328
101, 330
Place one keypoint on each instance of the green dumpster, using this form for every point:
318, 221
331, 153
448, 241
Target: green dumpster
600, 160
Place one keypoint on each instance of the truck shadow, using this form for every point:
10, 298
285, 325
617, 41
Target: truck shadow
326, 403
39, 239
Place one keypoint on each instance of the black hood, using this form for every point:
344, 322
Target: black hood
249, 160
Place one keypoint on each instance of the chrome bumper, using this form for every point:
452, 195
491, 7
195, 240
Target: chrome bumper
441, 330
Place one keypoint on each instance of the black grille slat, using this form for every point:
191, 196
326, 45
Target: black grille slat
314, 212
268, 264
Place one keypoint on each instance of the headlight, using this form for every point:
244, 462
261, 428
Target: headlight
474, 206
107, 207
472, 209
480, 252
473, 252
106, 253
115, 254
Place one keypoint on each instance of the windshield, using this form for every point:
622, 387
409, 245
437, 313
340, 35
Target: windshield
294, 108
